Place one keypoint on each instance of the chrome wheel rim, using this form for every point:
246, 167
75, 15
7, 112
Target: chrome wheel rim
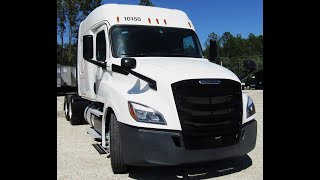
70, 110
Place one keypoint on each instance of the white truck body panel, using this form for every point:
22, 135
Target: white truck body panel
163, 83
164, 70
115, 90
110, 12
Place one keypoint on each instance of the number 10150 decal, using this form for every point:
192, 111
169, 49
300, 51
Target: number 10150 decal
132, 18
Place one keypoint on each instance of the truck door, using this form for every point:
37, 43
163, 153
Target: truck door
82, 70
102, 55
90, 75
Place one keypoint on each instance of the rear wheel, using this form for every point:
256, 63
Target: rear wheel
76, 107
117, 163
74, 119
66, 108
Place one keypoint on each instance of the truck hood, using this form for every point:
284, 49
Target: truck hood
174, 69
165, 71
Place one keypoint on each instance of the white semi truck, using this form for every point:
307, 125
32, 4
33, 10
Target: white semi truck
150, 96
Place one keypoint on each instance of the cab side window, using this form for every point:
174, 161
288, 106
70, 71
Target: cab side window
101, 46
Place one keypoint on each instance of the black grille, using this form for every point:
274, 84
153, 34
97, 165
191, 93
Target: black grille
210, 114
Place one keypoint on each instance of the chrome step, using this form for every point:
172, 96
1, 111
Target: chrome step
94, 134
100, 149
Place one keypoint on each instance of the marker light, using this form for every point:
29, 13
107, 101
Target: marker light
250, 108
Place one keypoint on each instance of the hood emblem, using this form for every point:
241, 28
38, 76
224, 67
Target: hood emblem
209, 81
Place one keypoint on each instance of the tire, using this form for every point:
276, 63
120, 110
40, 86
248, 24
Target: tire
66, 108
76, 108
117, 163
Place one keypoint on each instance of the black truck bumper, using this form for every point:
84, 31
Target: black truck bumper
150, 147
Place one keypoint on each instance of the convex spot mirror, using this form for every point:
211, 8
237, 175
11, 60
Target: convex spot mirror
250, 65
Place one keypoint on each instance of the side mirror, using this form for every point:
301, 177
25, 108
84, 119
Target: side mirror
87, 47
250, 65
213, 53
128, 63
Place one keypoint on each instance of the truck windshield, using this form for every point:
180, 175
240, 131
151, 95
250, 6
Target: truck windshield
139, 41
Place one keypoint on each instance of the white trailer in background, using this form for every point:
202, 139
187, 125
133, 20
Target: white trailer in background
58, 76
66, 79
149, 94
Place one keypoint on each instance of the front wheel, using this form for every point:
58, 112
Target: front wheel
117, 163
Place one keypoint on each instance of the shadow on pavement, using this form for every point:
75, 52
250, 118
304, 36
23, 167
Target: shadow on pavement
194, 171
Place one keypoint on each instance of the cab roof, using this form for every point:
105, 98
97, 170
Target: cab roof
116, 14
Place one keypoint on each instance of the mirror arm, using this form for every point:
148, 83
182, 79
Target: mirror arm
118, 69
247, 75
100, 64
152, 83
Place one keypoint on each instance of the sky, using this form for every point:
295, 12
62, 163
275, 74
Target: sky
219, 16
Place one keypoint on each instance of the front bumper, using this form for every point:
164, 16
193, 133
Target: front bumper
150, 147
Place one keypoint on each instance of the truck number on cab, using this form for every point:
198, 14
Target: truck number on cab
132, 18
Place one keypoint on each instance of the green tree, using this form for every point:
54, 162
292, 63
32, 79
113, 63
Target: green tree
69, 14
259, 45
212, 36
87, 6
255, 45
61, 20
72, 7
59, 53
236, 46
234, 50
225, 43
146, 3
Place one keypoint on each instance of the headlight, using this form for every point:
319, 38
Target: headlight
145, 114
250, 108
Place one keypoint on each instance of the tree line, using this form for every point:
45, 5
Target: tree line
234, 50
69, 14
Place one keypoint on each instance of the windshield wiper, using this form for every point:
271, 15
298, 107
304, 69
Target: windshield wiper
132, 55
158, 54
163, 54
